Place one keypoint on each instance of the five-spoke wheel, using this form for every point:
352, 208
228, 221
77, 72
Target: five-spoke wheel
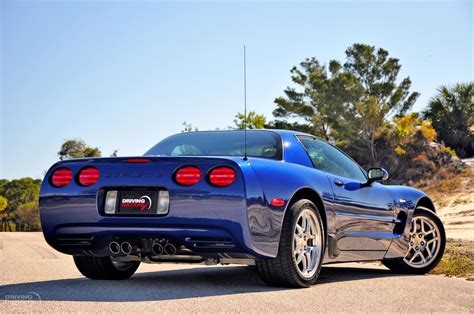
426, 244
307, 243
301, 248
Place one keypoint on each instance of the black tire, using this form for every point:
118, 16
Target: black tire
281, 271
102, 268
399, 265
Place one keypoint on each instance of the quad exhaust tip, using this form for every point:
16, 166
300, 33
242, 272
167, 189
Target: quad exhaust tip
170, 249
126, 248
114, 248
157, 249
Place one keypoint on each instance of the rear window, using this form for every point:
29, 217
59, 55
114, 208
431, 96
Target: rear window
226, 143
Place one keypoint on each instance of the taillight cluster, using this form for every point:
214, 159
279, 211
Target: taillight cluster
88, 176
85, 177
187, 176
219, 176
222, 176
61, 177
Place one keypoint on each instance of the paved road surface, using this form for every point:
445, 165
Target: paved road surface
30, 269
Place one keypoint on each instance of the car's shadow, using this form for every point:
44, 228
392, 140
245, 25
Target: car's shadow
169, 285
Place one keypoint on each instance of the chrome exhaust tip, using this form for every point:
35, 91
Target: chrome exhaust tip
126, 248
157, 249
114, 248
170, 249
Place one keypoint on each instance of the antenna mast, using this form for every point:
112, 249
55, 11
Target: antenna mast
245, 106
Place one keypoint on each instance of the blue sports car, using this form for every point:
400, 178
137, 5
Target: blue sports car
284, 201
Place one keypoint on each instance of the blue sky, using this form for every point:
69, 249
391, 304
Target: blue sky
124, 75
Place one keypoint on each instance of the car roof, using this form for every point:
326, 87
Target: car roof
278, 131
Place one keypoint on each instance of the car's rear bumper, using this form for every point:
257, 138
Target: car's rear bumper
74, 224
209, 241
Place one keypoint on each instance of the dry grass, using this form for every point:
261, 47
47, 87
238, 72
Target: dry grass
458, 261
447, 184
460, 201
471, 180
437, 189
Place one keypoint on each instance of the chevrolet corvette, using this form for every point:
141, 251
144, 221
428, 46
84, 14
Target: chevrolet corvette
284, 201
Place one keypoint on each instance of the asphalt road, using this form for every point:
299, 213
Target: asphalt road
46, 280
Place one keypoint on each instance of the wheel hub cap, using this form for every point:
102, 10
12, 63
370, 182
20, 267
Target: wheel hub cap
307, 243
424, 242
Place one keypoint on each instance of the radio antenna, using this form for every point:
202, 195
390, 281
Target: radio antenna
245, 107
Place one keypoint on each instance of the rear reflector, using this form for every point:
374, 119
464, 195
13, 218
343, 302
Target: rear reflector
88, 176
138, 160
277, 202
188, 175
61, 177
222, 176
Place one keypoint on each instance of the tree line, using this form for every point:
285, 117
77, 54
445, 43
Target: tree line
362, 106
359, 104
19, 204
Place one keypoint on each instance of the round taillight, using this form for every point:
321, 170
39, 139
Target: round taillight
88, 176
222, 176
188, 175
61, 177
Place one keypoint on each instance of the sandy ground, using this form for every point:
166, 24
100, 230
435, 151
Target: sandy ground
49, 282
456, 210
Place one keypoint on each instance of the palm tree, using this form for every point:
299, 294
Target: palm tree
451, 112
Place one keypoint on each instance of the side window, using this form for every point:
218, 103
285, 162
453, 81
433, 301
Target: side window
329, 159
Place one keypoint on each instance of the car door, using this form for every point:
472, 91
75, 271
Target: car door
364, 218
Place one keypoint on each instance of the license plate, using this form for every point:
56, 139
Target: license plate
137, 202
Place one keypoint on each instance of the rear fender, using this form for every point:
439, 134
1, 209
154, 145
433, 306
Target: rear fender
281, 180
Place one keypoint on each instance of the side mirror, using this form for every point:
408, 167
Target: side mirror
377, 174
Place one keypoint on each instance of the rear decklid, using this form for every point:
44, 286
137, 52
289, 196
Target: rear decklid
139, 182
136, 171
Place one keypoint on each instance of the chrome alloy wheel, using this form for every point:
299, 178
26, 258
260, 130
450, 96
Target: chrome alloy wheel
424, 242
307, 243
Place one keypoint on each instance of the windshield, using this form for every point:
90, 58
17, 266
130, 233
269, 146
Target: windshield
220, 143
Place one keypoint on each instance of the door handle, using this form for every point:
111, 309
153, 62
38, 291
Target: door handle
338, 182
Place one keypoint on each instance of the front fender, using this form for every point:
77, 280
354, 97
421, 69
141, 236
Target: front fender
406, 200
